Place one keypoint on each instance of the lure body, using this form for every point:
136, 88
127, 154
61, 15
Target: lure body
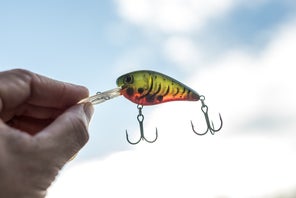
150, 88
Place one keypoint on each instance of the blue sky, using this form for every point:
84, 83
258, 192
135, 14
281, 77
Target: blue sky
239, 54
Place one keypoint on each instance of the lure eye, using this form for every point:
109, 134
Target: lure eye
128, 79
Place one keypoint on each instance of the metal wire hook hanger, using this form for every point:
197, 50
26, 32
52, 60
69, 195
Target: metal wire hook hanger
140, 119
210, 128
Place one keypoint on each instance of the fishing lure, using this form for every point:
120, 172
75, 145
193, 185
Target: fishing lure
150, 88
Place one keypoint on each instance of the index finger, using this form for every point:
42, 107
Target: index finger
53, 93
21, 86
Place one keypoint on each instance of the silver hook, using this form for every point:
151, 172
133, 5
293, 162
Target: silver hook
140, 119
210, 128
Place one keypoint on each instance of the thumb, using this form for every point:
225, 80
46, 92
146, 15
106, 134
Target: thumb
68, 133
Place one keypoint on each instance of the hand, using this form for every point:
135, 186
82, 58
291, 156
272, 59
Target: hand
41, 128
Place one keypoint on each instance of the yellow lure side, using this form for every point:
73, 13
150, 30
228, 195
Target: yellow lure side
147, 87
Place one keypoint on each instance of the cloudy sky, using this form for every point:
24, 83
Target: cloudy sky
240, 54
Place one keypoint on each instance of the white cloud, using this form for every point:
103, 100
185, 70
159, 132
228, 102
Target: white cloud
262, 84
238, 167
181, 51
240, 161
171, 16
177, 16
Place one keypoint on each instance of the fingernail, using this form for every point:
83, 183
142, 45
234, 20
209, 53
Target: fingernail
89, 110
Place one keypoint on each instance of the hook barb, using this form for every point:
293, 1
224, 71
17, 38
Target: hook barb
140, 119
141, 138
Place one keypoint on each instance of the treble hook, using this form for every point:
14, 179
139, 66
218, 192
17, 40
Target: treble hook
140, 119
210, 128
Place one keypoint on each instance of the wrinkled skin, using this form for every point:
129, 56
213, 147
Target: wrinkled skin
41, 128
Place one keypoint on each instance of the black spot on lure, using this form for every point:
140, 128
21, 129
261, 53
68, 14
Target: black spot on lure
147, 87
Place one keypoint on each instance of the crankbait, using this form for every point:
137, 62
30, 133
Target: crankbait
150, 88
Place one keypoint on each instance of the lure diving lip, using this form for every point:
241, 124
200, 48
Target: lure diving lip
102, 97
